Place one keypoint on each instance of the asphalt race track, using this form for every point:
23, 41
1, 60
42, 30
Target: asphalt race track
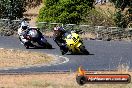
105, 55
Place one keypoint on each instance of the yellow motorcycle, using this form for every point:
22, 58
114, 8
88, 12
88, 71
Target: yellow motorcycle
75, 44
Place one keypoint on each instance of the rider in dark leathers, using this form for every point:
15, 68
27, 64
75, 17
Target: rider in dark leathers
59, 34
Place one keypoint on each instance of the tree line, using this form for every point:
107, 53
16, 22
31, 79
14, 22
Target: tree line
64, 11
14, 9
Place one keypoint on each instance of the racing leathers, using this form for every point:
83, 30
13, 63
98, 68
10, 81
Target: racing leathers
59, 34
22, 32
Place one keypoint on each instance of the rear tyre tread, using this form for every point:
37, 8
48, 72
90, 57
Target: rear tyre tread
83, 50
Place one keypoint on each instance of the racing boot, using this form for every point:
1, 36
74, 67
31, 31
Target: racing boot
28, 44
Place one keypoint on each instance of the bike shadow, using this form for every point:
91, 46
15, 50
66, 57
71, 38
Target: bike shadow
80, 54
40, 48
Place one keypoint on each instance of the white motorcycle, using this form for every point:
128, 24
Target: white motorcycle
36, 39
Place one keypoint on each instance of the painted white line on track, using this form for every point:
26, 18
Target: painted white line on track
66, 59
1, 48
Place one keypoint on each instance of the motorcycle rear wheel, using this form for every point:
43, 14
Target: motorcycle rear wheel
49, 46
84, 50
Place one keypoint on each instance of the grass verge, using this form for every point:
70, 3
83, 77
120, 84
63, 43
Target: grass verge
18, 58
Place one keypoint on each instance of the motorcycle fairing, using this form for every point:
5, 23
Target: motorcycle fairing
73, 42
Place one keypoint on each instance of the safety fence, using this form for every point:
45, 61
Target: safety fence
91, 32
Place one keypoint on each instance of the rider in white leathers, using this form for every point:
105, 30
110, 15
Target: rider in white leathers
22, 32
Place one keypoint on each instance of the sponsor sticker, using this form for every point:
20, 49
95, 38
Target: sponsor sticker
83, 78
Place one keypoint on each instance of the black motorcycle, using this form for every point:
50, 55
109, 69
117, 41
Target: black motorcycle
36, 39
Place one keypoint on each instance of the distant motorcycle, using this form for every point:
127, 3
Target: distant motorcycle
36, 39
74, 43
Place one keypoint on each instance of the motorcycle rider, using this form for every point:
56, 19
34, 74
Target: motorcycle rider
23, 31
59, 34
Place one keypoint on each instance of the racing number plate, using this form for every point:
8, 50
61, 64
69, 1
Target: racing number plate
74, 39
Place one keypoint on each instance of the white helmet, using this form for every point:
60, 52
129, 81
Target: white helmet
24, 25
